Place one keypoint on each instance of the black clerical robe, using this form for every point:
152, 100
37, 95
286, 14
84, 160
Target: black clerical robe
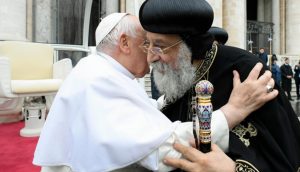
268, 139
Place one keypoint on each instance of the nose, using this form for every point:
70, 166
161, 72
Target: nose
152, 57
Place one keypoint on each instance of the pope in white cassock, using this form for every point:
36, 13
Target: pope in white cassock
102, 119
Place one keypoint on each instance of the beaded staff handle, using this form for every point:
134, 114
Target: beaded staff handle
204, 109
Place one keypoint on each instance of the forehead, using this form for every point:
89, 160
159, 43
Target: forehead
161, 37
139, 28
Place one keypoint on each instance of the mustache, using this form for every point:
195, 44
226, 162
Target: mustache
159, 66
174, 82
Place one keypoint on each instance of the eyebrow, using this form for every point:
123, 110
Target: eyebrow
159, 41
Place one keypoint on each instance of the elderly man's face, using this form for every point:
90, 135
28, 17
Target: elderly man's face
137, 58
159, 42
172, 68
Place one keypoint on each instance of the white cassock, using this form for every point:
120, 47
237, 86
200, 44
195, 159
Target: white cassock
102, 120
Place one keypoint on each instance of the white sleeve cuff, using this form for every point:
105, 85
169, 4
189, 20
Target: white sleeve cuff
220, 130
182, 134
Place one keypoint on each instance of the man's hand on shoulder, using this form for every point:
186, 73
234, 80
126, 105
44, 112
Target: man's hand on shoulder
249, 95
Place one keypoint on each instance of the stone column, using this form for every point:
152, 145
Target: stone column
122, 6
276, 27
42, 28
282, 27
234, 22
13, 20
261, 18
261, 10
292, 27
217, 6
268, 10
112, 6
29, 20
133, 6
268, 18
130, 6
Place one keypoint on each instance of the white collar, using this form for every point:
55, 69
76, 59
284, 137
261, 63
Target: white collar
116, 65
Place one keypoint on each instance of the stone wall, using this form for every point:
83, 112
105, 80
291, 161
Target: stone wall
13, 20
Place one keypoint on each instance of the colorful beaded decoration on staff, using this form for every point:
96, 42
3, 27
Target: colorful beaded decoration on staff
204, 90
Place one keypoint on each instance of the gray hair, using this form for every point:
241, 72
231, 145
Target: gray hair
126, 26
174, 83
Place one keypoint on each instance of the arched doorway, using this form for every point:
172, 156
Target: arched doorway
259, 25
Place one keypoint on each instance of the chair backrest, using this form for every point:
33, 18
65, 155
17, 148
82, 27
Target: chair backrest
29, 61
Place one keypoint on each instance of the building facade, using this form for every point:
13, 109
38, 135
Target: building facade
69, 25
251, 24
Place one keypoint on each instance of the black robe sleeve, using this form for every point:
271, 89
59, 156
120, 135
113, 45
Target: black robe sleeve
269, 139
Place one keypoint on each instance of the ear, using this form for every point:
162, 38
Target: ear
124, 43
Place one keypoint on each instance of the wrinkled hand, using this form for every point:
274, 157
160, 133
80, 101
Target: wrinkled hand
196, 161
248, 96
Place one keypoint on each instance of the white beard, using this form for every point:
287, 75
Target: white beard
175, 82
